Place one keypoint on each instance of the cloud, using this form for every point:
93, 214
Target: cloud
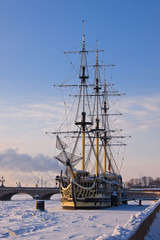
140, 113
26, 168
23, 125
30, 113
11, 159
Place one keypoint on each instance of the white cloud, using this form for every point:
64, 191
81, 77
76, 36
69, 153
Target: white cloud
140, 113
26, 163
26, 168
23, 124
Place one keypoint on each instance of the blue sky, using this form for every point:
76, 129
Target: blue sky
33, 36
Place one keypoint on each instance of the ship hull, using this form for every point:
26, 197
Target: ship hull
89, 194
85, 204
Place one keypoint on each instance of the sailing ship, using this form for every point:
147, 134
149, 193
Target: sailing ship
90, 142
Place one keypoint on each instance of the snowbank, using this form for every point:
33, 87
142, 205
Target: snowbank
130, 228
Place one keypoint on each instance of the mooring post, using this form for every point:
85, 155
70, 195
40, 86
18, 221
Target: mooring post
40, 205
124, 197
140, 202
114, 199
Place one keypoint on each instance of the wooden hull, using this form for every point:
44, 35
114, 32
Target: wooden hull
85, 204
96, 195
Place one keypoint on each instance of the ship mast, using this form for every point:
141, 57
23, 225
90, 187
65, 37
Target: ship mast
83, 115
97, 88
83, 82
83, 76
105, 108
106, 136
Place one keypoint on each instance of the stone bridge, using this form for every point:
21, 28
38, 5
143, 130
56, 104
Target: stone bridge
36, 192
141, 195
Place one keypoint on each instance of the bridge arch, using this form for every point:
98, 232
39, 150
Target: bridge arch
47, 196
56, 197
6, 193
9, 195
21, 196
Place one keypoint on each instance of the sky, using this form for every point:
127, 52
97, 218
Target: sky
33, 36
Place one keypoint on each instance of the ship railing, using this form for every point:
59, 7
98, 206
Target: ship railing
83, 193
66, 188
85, 188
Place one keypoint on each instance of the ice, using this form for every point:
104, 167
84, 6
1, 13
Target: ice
20, 220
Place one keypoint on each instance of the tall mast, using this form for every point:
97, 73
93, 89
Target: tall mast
107, 131
83, 76
97, 87
105, 108
83, 81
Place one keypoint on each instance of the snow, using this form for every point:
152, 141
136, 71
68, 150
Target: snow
123, 233
20, 220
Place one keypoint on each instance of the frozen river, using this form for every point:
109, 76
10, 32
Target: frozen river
20, 220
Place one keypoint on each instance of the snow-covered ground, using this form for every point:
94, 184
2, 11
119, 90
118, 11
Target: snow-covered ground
20, 220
